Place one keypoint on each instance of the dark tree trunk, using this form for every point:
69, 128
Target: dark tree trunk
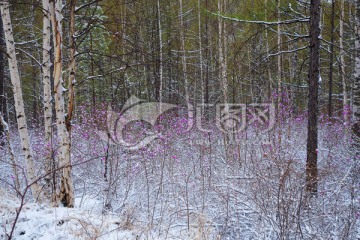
314, 73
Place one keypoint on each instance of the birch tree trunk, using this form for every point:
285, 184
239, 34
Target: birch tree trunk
313, 108
18, 100
67, 189
47, 97
72, 67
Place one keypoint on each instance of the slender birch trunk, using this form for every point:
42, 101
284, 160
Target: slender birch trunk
19, 102
67, 188
72, 68
47, 96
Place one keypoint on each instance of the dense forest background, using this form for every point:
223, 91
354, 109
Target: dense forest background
163, 49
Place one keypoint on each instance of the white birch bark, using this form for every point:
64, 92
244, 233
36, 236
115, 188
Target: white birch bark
67, 189
18, 100
72, 68
46, 70
47, 92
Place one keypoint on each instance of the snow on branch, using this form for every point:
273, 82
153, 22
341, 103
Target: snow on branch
296, 20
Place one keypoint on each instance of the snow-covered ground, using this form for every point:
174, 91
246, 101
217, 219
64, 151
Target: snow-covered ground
192, 187
85, 221
41, 221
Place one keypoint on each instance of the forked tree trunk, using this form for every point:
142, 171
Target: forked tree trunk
47, 98
18, 100
67, 189
313, 109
